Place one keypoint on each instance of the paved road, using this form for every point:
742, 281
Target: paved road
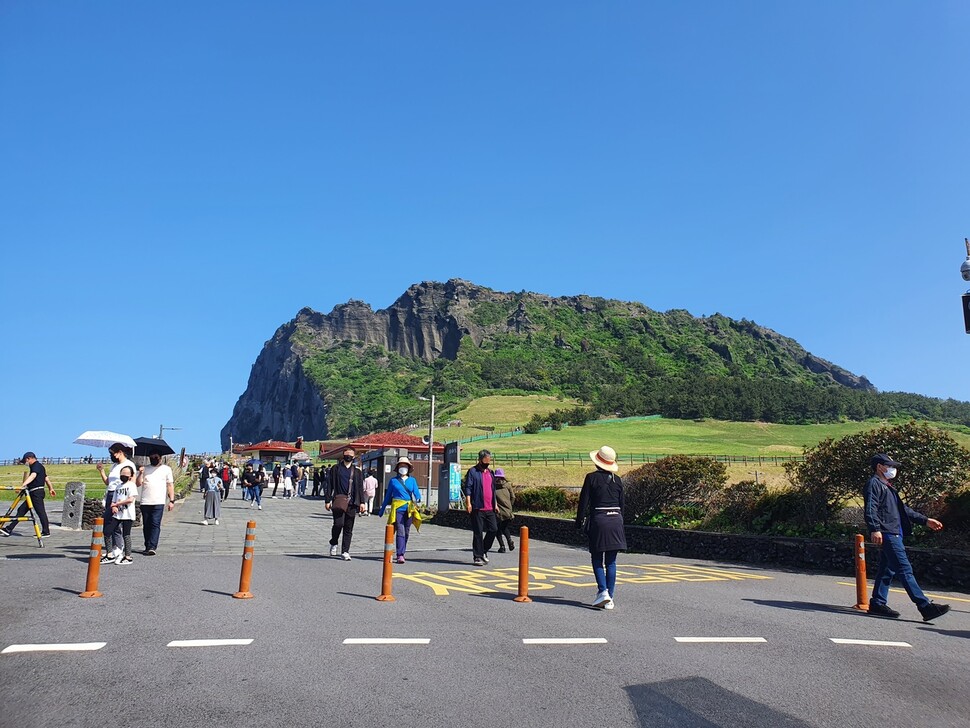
477, 668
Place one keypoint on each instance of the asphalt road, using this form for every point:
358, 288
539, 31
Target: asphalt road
297, 663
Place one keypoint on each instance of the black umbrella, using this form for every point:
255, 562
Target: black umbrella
144, 445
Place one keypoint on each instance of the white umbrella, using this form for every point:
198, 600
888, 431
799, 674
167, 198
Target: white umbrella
103, 438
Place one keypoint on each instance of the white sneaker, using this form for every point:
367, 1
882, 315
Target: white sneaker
609, 605
345, 556
217, 521
205, 522
259, 508
602, 599
119, 558
333, 550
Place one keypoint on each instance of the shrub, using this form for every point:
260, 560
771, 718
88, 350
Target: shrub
733, 508
678, 480
546, 498
685, 517
835, 470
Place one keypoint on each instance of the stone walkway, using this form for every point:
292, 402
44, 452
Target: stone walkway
292, 526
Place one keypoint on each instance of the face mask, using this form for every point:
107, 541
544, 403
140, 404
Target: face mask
125, 478
348, 458
890, 473
402, 471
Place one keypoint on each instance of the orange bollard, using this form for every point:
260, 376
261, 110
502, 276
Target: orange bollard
386, 595
861, 586
94, 561
523, 565
246, 572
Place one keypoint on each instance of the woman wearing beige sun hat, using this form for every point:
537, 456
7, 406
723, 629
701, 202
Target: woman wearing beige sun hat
600, 514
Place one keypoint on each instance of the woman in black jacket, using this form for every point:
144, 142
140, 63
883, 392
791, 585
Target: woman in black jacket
600, 512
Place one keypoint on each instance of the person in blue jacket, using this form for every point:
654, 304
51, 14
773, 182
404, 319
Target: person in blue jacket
402, 490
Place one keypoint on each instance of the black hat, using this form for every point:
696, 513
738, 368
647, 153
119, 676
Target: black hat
883, 459
28, 454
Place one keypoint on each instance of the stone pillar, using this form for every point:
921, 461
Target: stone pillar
73, 505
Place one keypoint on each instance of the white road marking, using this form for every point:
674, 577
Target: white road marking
53, 647
875, 643
386, 641
208, 643
564, 641
705, 640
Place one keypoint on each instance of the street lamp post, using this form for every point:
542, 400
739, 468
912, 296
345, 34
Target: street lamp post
427, 501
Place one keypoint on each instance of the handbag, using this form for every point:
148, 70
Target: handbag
340, 502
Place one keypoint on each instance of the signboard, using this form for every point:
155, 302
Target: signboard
454, 481
452, 452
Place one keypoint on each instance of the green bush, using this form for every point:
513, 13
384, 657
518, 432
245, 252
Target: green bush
678, 480
685, 517
733, 509
546, 498
933, 465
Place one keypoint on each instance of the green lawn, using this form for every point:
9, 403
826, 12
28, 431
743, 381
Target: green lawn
683, 437
499, 413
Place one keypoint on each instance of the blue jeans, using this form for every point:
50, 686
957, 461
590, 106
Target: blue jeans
402, 529
151, 523
604, 569
893, 562
256, 496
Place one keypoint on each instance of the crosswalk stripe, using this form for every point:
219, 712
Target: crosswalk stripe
704, 640
386, 641
874, 643
564, 641
208, 643
55, 647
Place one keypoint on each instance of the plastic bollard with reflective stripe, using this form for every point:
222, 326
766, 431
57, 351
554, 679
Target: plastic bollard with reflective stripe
94, 560
523, 595
246, 573
861, 585
388, 574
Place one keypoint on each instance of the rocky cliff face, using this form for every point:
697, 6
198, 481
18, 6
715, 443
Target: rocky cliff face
430, 320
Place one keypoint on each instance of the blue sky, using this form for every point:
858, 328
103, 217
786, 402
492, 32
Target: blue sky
178, 179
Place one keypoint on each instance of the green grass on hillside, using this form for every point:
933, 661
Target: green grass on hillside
498, 413
684, 437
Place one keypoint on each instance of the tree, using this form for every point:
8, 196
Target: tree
672, 481
836, 470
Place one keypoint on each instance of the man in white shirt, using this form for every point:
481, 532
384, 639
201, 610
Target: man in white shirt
112, 533
157, 484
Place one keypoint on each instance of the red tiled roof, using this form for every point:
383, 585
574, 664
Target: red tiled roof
380, 441
272, 445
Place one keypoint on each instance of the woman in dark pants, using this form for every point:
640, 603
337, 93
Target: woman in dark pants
600, 512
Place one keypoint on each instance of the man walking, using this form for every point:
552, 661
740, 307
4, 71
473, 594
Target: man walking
37, 484
344, 497
157, 485
479, 492
889, 521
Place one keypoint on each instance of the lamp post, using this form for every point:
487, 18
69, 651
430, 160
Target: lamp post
427, 501
162, 428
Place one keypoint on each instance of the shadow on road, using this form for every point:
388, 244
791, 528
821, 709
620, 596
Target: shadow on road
700, 703
558, 601
220, 593
965, 634
815, 607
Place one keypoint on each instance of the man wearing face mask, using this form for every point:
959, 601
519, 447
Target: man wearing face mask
112, 481
344, 497
157, 485
889, 521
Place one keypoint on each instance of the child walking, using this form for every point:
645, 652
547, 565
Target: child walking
123, 510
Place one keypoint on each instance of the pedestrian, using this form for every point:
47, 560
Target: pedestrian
113, 536
235, 480
370, 490
226, 475
600, 514
344, 497
890, 521
504, 500
123, 510
402, 495
37, 484
250, 481
479, 492
315, 493
213, 499
262, 479
277, 474
157, 485
288, 481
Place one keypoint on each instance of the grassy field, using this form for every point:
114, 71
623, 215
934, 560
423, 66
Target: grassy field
59, 475
498, 413
683, 437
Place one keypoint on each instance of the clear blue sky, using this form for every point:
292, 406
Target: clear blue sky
178, 179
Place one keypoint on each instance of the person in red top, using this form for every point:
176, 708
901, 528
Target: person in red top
479, 492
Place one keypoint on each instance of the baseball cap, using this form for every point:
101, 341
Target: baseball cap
27, 454
883, 459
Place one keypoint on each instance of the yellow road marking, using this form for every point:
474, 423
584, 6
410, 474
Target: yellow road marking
479, 581
903, 591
